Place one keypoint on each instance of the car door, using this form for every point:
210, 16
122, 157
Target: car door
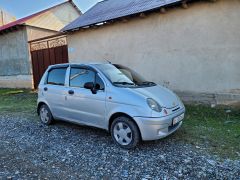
85, 106
54, 91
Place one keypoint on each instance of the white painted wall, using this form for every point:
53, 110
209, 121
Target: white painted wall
197, 49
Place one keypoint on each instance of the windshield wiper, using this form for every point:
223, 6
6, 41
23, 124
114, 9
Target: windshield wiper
124, 83
147, 83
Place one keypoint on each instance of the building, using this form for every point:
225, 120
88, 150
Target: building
192, 47
5, 17
15, 58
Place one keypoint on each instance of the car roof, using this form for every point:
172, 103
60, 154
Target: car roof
74, 64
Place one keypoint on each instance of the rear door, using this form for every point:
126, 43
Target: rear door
83, 105
55, 91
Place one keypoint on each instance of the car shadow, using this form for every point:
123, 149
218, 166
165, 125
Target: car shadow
106, 137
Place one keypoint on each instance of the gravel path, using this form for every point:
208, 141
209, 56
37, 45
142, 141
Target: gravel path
30, 150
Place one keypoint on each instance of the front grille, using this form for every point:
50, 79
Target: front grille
171, 128
175, 109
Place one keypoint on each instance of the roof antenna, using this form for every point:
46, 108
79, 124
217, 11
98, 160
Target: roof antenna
109, 62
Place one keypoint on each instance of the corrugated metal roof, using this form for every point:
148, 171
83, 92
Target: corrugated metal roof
113, 9
23, 20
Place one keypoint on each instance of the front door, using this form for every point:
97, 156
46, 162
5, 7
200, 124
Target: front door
85, 106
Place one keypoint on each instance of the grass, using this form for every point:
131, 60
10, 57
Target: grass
215, 129
10, 91
17, 100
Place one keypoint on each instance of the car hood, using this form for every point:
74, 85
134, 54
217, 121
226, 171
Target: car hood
162, 95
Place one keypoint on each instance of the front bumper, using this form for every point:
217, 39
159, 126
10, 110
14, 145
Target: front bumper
157, 128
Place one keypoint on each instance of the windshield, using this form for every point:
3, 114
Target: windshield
122, 76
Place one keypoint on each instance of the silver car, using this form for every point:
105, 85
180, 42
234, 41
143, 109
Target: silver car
111, 97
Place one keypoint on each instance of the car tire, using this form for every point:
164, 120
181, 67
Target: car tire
45, 115
125, 132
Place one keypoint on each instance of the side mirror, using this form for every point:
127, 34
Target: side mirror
90, 85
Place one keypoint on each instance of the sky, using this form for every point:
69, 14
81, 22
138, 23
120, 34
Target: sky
22, 8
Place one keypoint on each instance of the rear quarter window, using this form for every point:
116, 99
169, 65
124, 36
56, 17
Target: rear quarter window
57, 76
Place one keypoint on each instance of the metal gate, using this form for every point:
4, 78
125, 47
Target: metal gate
47, 52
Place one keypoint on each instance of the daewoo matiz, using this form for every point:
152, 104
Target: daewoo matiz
111, 97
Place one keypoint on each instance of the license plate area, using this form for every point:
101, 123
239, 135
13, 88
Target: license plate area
178, 119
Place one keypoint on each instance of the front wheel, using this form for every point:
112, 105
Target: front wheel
125, 132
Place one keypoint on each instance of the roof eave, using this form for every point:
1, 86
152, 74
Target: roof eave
65, 29
12, 29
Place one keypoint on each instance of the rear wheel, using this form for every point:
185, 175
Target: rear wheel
45, 115
125, 132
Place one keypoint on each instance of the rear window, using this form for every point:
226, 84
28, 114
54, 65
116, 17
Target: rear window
57, 76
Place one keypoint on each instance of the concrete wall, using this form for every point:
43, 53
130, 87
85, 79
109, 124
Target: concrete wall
15, 58
189, 50
17, 81
14, 53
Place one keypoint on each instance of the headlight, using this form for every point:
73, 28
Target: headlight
154, 105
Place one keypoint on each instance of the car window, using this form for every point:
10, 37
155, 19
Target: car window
127, 73
114, 74
80, 76
57, 76
99, 83
123, 76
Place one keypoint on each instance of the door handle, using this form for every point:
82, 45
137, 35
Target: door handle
71, 92
45, 89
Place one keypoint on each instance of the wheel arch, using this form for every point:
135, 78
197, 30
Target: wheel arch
119, 114
40, 103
